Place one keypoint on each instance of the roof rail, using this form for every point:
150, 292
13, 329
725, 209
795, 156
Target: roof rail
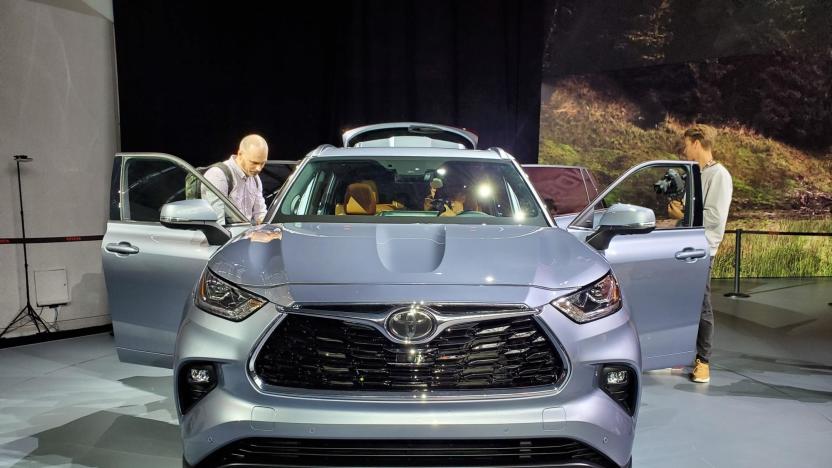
503, 153
320, 149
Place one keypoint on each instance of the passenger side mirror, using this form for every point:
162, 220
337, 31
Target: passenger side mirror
194, 215
620, 219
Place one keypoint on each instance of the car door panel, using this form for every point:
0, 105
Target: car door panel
663, 293
662, 273
148, 289
150, 270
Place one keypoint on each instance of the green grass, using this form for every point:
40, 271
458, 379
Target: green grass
765, 256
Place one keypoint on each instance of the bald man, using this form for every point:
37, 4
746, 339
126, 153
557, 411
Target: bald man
246, 188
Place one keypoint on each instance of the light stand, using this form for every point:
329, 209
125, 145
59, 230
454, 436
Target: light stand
27, 312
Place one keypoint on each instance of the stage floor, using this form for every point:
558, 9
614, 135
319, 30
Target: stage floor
769, 402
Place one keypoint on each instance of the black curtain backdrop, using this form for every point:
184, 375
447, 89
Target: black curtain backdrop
194, 76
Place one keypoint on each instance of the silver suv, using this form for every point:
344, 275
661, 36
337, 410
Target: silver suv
410, 302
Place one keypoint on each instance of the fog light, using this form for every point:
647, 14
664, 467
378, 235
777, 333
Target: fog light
200, 376
616, 377
196, 379
619, 382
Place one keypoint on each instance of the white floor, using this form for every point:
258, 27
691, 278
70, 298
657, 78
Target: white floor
769, 403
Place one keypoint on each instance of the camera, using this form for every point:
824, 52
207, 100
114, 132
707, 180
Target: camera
671, 184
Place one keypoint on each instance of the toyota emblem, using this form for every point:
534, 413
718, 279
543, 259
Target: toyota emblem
411, 324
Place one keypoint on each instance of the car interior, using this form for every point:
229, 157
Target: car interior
403, 188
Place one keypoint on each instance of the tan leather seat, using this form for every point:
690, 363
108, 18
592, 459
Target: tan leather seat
372, 185
379, 206
360, 199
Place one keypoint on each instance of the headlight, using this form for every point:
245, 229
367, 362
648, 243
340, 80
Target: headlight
599, 299
221, 298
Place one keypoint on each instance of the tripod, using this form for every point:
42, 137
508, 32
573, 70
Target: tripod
27, 312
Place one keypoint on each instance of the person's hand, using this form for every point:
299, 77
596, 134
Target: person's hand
675, 209
263, 236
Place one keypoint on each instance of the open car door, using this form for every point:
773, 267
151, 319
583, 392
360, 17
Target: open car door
150, 269
410, 135
662, 273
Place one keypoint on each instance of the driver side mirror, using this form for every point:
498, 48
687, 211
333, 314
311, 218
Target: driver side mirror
194, 215
621, 219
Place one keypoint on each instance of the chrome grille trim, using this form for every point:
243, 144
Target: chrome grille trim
444, 321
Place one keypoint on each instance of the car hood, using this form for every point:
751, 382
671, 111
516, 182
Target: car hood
424, 254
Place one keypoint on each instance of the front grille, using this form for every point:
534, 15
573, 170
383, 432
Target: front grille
412, 453
332, 354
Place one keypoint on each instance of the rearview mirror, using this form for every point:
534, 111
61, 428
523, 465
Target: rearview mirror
194, 215
621, 219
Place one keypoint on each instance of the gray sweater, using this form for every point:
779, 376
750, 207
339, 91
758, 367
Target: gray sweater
717, 188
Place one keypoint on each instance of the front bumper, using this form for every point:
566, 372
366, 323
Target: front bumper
221, 419
237, 411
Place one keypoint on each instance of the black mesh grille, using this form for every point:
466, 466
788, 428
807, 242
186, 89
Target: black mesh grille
394, 453
328, 354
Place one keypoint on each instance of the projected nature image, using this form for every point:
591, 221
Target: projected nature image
623, 93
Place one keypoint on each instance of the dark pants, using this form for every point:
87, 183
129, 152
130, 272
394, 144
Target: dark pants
706, 322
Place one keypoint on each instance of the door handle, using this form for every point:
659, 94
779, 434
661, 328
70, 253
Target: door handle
124, 248
690, 255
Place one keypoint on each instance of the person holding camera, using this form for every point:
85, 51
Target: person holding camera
697, 144
673, 186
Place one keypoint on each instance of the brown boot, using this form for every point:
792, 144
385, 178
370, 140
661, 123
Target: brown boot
701, 372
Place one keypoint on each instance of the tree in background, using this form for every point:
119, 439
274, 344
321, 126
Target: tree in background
763, 64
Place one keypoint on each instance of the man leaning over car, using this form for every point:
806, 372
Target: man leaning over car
247, 191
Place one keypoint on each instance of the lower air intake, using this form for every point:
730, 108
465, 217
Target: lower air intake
411, 453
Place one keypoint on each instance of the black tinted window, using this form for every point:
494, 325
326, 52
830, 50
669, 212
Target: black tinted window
150, 184
273, 176
115, 190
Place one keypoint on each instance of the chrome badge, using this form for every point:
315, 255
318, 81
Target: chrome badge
411, 324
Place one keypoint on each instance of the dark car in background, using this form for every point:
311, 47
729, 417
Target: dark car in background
564, 189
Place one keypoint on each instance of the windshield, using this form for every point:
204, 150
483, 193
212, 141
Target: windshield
410, 190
